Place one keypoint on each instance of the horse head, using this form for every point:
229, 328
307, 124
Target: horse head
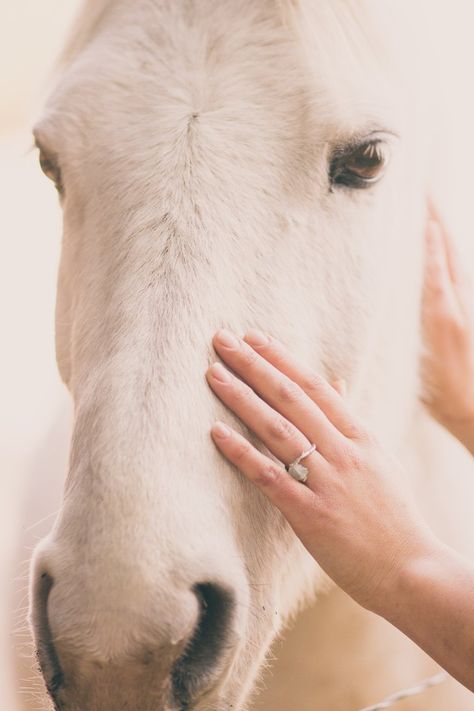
232, 164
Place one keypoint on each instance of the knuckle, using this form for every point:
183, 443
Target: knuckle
280, 429
248, 357
353, 431
351, 457
289, 392
365, 438
241, 393
267, 474
436, 284
314, 384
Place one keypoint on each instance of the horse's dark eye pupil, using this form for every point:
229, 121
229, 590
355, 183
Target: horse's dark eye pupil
365, 162
359, 166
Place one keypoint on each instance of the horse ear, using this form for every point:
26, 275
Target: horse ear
88, 19
287, 6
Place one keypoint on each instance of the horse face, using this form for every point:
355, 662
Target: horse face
242, 166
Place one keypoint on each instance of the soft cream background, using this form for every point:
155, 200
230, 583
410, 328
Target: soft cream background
33, 434
31, 33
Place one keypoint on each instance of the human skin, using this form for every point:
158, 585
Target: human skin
448, 331
350, 514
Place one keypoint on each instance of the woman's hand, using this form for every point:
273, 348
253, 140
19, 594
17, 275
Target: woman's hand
448, 330
351, 514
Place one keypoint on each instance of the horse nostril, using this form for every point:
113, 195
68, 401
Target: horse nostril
45, 652
198, 666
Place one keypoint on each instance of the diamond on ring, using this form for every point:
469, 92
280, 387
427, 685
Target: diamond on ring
299, 471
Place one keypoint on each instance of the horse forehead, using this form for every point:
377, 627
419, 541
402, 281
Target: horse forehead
173, 23
166, 22
233, 78
206, 56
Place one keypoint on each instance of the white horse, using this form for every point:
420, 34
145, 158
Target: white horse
241, 164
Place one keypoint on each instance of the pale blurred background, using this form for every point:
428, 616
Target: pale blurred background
31, 35
34, 411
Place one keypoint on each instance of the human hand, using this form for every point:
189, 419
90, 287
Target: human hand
447, 366
351, 514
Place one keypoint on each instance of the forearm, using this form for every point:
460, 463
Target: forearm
433, 603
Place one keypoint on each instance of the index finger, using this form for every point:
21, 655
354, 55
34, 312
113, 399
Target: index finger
315, 386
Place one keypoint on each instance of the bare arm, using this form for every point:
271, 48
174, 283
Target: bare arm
432, 602
352, 513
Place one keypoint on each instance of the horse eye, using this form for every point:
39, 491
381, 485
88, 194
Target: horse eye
360, 166
51, 169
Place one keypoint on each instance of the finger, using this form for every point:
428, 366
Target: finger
291, 497
437, 261
315, 386
454, 266
279, 391
433, 212
447, 243
340, 386
439, 292
281, 437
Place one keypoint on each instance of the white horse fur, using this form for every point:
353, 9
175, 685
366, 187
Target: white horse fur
193, 139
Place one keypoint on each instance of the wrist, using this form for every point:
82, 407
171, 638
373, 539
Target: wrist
432, 604
427, 555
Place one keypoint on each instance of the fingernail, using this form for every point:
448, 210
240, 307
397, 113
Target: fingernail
220, 373
220, 429
256, 338
227, 338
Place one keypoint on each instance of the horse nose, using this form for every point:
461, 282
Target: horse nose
78, 670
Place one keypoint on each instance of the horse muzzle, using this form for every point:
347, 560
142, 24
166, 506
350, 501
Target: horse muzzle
105, 658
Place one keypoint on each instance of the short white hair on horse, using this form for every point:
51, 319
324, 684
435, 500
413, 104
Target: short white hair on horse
233, 163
